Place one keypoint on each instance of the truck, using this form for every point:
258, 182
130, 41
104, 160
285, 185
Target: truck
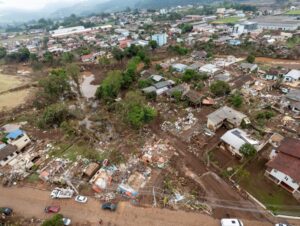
62, 193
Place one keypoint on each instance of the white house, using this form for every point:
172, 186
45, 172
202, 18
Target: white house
7, 153
234, 139
179, 67
161, 39
293, 75
283, 168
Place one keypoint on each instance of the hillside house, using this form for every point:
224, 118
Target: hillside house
292, 76
7, 153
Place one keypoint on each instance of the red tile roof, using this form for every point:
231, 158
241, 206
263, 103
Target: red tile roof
288, 159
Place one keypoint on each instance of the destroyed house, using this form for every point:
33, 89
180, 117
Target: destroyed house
18, 138
283, 168
7, 153
225, 116
193, 97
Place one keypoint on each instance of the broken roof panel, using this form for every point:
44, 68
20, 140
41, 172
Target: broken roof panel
227, 113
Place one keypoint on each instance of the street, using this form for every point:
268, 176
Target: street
30, 202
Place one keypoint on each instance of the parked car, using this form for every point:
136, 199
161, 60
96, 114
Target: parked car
81, 199
6, 211
281, 224
52, 209
231, 222
109, 206
67, 221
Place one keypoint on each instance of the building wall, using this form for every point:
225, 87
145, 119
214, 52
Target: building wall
282, 177
8, 159
278, 27
21, 142
161, 39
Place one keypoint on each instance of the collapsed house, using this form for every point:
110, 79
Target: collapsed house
226, 116
7, 153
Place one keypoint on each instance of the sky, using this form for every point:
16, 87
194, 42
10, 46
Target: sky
30, 4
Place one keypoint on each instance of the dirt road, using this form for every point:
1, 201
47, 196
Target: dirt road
30, 202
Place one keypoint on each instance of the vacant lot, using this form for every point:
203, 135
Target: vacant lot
293, 12
8, 82
14, 99
228, 20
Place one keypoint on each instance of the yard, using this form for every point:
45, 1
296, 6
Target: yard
272, 196
228, 20
293, 12
9, 82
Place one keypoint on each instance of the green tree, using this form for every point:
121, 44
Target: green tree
220, 88
118, 54
153, 44
236, 100
33, 57
53, 115
67, 57
48, 57
2, 52
110, 86
185, 27
55, 85
55, 220
251, 59
136, 112
143, 83
247, 150
23, 54
73, 71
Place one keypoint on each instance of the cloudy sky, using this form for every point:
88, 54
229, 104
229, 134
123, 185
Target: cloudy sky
30, 4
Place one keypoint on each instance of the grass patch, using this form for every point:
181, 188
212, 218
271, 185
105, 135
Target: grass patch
275, 198
292, 42
227, 20
293, 12
33, 178
73, 151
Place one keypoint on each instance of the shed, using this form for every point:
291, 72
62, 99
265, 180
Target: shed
193, 97
91, 169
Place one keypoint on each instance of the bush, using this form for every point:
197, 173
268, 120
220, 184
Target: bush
143, 83
136, 112
192, 75
236, 100
56, 220
251, 59
53, 115
265, 115
177, 95
220, 88
110, 87
247, 150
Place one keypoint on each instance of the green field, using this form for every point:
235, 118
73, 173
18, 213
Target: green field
228, 20
293, 12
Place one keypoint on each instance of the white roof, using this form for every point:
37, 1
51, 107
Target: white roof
236, 138
295, 74
209, 68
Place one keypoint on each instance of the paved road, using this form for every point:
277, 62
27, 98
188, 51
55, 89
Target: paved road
30, 202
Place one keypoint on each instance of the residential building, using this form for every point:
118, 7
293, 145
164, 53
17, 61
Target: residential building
161, 39
244, 27
226, 116
283, 168
7, 153
18, 138
234, 139
210, 69
292, 76
179, 67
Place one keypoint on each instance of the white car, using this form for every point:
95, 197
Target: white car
67, 221
281, 224
231, 222
81, 199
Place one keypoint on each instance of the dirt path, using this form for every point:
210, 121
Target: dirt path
30, 202
292, 64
